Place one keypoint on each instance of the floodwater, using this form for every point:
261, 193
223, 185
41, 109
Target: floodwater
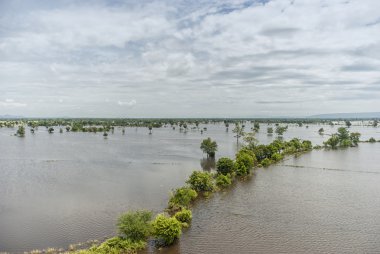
57, 189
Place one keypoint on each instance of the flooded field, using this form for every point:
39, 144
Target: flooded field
57, 189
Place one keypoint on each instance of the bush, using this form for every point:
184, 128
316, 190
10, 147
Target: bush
246, 159
167, 229
266, 162
184, 216
201, 181
372, 140
225, 165
182, 197
115, 245
223, 180
241, 169
276, 157
135, 225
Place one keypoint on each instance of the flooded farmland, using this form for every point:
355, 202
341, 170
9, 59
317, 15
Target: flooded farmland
57, 189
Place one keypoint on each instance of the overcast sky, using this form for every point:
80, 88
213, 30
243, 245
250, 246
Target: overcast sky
193, 58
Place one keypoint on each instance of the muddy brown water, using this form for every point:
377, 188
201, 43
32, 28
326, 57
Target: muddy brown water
57, 189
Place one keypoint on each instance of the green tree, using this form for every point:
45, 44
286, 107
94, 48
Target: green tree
225, 165
21, 131
209, 147
150, 127
239, 132
184, 216
201, 181
332, 142
167, 229
135, 225
321, 131
223, 180
280, 130
269, 130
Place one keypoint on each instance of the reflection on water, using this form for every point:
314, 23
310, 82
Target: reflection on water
208, 163
57, 189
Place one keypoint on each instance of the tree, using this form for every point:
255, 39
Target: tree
250, 139
50, 130
332, 142
280, 130
201, 181
167, 229
135, 225
225, 165
320, 131
150, 127
354, 136
21, 131
223, 180
239, 131
269, 130
375, 123
209, 147
184, 216
256, 126
348, 123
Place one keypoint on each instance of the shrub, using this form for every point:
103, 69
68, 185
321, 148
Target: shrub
184, 216
276, 157
266, 162
372, 140
167, 229
240, 168
246, 158
182, 197
201, 181
225, 165
115, 245
223, 180
135, 225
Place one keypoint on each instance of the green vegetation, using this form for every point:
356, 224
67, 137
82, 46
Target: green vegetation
223, 181
135, 225
184, 216
201, 181
21, 131
225, 165
239, 132
182, 197
343, 138
167, 229
209, 147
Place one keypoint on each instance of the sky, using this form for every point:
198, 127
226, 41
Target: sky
189, 58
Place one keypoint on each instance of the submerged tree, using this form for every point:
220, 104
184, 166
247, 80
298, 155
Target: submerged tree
280, 130
321, 131
20, 131
209, 147
150, 127
270, 130
239, 132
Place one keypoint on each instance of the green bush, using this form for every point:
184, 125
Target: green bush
223, 180
246, 159
225, 165
266, 162
240, 168
184, 216
372, 140
135, 225
201, 181
115, 245
182, 197
276, 157
167, 229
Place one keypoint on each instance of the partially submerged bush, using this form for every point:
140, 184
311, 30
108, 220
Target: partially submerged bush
276, 157
246, 159
115, 245
240, 168
223, 180
135, 225
225, 165
184, 216
371, 140
201, 181
182, 197
167, 229
266, 162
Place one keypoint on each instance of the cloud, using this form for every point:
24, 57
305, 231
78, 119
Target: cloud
218, 57
11, 103
127, 103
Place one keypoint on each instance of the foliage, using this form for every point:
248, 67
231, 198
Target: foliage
321, 131
225, 165
277, 157
343, 138
115, 245
281, 129
250, 139
201, 181
20, 131
332, 142
240, 168
182, 197
247, 159
239, 132
135, 225
266, 162
223, 180
167, 228
209, 147
372, 140
184, 216
269, 130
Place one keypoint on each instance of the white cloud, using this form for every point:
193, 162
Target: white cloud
172, 55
